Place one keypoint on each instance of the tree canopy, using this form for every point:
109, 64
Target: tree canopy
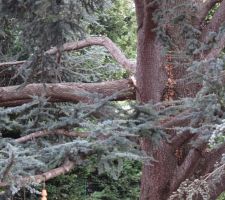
69, 95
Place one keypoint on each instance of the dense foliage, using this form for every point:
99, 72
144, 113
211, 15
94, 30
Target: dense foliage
44, 127
29, 29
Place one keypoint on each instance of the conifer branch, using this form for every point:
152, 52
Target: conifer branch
65, 168
67, 92
101, 41
54, 132
115, 51
215, 52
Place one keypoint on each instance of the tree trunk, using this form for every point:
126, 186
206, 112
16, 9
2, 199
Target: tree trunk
151, 80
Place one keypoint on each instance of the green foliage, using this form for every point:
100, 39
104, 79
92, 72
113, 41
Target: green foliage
86, 183
119, 24
221, 197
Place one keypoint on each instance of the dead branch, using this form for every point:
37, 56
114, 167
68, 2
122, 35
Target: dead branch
67, 92
65, 168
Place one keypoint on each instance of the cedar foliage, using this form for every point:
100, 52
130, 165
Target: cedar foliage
39, 25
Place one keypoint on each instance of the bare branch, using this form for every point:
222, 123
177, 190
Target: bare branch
67, 92
7, 64
48, 133
101, 41
66, 167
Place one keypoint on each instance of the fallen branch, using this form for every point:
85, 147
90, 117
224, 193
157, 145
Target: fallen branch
67, 92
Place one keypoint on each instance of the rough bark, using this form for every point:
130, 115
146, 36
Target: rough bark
67, 92
165, 175
151, 79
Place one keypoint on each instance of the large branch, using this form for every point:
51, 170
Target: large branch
67, 92
214, 185
66, 167
101, 41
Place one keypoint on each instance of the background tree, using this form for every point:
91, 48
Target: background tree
179, 85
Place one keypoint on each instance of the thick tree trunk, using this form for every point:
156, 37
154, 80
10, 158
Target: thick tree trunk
151, 80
